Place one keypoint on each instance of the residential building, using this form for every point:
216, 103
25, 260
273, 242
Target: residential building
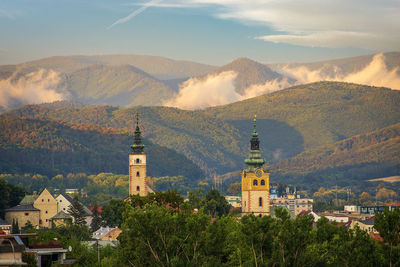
5, 227
65, 201
23, 214
366, 225
235, 201
11, 248
47, 205
61, 218
294, 205
107, 233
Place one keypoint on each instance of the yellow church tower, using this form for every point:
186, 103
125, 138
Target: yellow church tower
255, 180
137, 165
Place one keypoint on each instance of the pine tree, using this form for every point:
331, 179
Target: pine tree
15, 227
77, 211
96, 221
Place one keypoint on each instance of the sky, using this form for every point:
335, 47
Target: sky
207, 31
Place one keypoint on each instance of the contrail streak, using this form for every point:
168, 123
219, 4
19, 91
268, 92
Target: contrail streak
134, 13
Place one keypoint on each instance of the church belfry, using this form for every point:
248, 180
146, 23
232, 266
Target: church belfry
255, 180
137, 165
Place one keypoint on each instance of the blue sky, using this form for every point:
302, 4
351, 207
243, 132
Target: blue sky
207, 31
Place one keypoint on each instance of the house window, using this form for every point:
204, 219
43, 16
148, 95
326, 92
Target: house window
48, 200
137, 188
46, 211
262, 182
26, 213
63, 208
137, 160
260, 202
255, 182
60, 200
137, 174
42, 200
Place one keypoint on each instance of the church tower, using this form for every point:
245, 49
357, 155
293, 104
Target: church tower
255, 180
137, 165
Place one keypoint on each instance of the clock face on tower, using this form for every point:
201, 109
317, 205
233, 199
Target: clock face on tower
258, 173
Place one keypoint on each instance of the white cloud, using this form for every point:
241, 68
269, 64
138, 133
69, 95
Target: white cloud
33, 88
374, 74
218, 89
135, 13
369, 24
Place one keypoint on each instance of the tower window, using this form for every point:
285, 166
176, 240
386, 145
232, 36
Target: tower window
137, 188
260, 202
137, 174
137, 160
255, 182
262, 182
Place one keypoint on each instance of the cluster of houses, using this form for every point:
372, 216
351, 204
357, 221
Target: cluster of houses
44, 211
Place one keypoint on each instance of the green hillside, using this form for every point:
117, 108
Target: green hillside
217, 139
48, 147
211, 143
322, 112
381, 146
122, 85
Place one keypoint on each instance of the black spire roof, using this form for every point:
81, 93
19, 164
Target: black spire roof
137, 146
255, 159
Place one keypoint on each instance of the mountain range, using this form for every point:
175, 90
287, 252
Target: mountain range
295, 122
131, 80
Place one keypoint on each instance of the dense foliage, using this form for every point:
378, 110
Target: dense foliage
10, 196
158, 236
50, 148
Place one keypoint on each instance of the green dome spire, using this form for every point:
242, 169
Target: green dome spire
255, 159
137, 146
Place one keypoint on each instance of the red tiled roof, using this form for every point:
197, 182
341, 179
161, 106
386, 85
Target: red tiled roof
393, 204
99, 209
304, 212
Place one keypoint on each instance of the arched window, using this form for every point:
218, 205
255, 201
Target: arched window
262, 182
255, 182
137, 160
137, 174
260, 202
137, 188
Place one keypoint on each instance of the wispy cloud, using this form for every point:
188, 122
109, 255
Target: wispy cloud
6, 14
368, 24
135, 13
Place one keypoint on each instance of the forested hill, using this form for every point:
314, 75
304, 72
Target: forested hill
212, 144
217, 139
321, 112
29, 145
381, 146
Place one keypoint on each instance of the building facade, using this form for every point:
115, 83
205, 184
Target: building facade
137, 165
23, 214
47, 205
255, 180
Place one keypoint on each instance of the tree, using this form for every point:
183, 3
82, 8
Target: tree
387, 223
365, 198
15, 227
160, 236
77, 211
112, 213
96, 220
215, 204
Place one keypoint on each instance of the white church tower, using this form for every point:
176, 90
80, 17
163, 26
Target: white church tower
137, 165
